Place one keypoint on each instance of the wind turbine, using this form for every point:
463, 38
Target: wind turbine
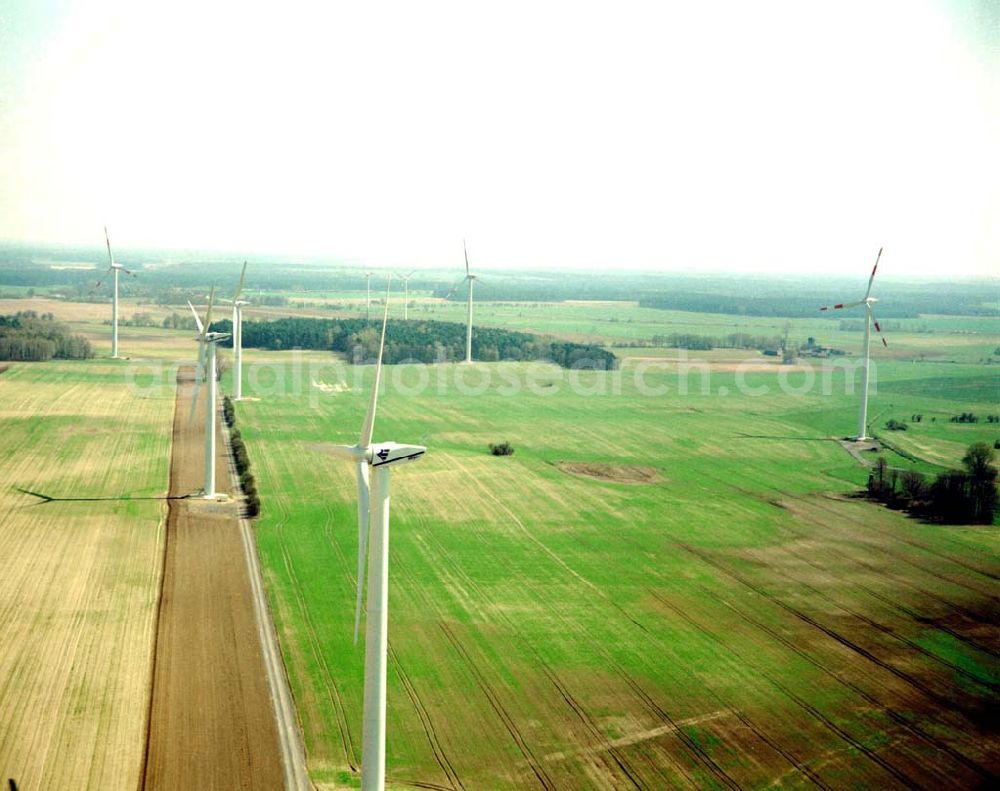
238, 336
406, 294
471, 278
870, 319
372, 462
368, 299
206, 369
114, 269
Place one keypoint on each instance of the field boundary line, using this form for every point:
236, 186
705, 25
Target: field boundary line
293, 754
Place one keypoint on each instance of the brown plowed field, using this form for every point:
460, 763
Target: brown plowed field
211, 720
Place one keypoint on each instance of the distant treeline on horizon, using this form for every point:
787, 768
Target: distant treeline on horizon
744, 295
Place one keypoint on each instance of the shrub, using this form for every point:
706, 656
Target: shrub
502, 449
895, 425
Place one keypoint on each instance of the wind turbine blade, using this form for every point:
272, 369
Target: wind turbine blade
197, 320
107, 240
466, 251
208, 315
369, 424
872, 278
198, 374
843, 305
878, 329
239, 288
364, 489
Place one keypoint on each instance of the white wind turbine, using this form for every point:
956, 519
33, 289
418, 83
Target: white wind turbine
238, 336
372, 462
114, 269
471, 278
406, 293
870, 319
206, 369
368, 298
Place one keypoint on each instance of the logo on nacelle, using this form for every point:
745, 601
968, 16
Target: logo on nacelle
383, 454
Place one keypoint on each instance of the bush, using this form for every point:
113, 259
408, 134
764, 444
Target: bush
895, 425
242, 460
502, 449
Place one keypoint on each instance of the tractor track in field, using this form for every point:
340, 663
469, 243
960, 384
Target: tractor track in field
502, 713
696, 751
951, 605
903, 609
816, 499
870, 699
426, 721
332, 690
606, 746
591, 726
831, 633
806, 706
816, 502
894, 715
890, 633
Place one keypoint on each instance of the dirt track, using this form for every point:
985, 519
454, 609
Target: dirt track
211, 719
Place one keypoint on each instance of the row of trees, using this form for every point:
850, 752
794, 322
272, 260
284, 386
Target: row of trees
242, 460
28, 337
687, 340
966, 496
416, 341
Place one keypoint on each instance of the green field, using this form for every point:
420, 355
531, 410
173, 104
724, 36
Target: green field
670, 584
736, 618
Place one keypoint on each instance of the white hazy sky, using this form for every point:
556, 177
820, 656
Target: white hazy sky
752, 136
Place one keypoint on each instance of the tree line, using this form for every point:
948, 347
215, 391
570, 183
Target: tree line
965, 496
242, 460
416, 341
28, 337
692, 341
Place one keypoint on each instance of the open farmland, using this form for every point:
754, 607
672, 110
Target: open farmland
666, 585
728, 617
81, 572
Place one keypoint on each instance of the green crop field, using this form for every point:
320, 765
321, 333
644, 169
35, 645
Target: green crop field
669, 584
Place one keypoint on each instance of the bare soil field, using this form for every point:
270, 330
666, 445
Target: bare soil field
211, 718
616, 473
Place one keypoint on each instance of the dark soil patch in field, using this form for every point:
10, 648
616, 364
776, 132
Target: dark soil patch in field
615, 473
3, 368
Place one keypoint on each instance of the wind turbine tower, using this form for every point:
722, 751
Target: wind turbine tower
207, 342
114, 269
870, 319
406, 294
368, 298
471, 279
238, 337
372, 463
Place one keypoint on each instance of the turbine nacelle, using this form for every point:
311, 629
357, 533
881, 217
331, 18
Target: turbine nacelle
379, 454
393, 452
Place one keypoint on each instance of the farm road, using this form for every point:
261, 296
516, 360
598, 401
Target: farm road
211, 721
